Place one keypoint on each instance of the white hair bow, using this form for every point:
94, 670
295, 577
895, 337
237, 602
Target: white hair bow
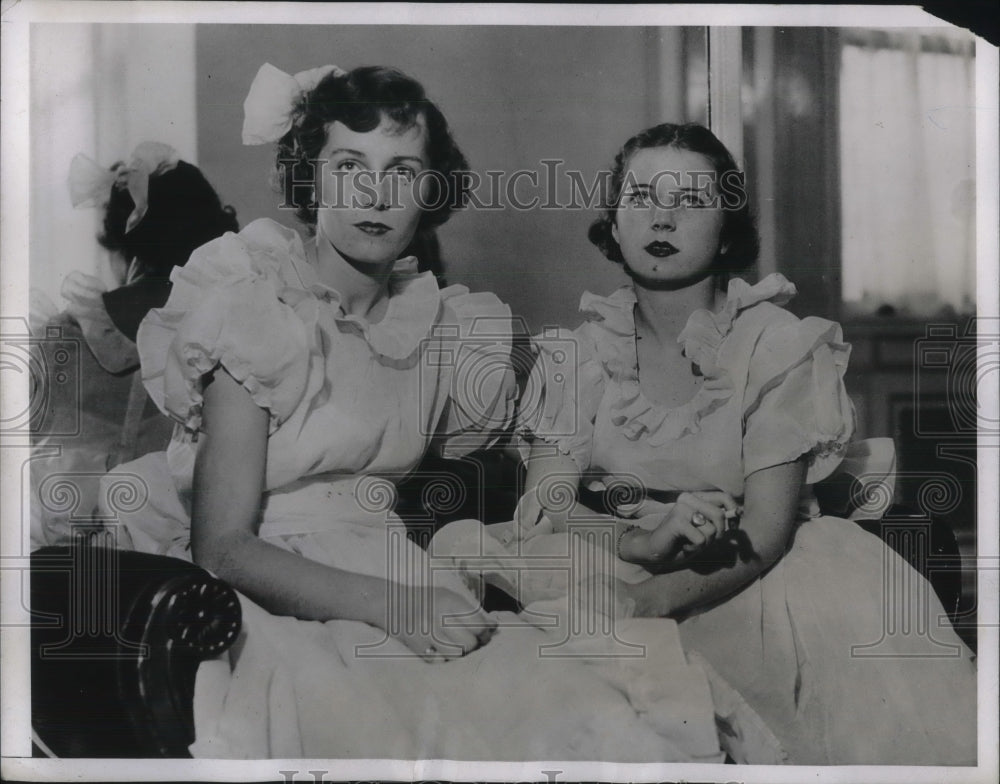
267, 110
90, 184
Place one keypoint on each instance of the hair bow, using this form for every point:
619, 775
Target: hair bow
90, 184
267, 110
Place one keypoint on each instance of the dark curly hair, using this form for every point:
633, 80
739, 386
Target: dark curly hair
184, 213
738, 242
360, 99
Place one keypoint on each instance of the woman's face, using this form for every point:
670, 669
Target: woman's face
368, 206
669, 217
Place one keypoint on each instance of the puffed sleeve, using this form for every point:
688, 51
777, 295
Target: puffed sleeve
476, 331
564, 390
224, 311
795, 402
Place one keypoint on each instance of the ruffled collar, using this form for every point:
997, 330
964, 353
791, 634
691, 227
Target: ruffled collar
705, 331
413, 307
702, 336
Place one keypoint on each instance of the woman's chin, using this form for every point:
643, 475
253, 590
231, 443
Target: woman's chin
665, 280
369, 259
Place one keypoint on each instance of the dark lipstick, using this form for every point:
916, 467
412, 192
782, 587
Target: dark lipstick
373, 228
661, 249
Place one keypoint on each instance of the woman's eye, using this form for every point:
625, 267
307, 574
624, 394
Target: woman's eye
694, 200
348, 166
403, 172
637, 199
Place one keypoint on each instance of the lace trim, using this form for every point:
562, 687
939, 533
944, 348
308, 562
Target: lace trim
702, 337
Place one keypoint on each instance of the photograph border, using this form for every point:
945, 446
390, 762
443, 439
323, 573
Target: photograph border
17, 763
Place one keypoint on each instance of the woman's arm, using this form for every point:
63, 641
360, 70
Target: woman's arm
228, 485
551, 489
770, 503
551, 499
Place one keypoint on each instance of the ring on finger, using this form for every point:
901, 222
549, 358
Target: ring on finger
699, 519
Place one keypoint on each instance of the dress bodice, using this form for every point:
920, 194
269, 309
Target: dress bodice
346, 397
772, 392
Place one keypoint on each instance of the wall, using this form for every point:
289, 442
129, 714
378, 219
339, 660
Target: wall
514, 97
99, 90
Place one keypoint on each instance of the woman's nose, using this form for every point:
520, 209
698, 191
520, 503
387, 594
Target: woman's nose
385, 192
375, 191
664, 219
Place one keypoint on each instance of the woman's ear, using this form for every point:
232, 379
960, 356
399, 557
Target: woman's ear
614, 231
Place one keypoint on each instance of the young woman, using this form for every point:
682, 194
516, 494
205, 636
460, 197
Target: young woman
156, 210
305, 379
689, 381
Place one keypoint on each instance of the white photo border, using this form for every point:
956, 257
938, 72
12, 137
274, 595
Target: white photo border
17, 762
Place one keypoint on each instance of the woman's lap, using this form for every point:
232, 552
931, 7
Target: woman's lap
343, 689
847, 653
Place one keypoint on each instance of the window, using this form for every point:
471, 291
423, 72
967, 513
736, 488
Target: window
907, 155
859, 147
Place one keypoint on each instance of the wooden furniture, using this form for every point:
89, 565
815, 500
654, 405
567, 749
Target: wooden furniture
116, 640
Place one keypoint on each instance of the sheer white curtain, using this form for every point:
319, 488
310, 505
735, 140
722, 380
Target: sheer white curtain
907, 130
99, 90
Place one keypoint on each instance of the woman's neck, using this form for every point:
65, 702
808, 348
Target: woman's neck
362, 287
663, 314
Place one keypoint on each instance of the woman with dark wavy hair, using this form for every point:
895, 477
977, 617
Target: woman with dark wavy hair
156, 210
363, 100
738, 240
296, 364
306, 379
185, 212
719, 409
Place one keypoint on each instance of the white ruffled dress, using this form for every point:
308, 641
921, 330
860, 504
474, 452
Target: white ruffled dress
353, 407
841, 669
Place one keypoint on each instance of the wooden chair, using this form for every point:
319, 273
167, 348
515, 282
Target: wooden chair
116, 640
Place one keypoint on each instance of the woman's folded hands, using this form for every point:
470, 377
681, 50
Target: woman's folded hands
436, 623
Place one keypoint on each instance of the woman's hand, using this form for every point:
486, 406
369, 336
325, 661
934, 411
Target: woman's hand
441, 624
771, 499
545, 508
552, 480
529, 517
693, 523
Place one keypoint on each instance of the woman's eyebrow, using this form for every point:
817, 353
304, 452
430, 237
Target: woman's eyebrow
689, 189
400, 158
346, 151
392, 161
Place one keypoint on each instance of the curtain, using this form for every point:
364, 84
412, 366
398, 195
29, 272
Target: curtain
99, 90
907, 137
